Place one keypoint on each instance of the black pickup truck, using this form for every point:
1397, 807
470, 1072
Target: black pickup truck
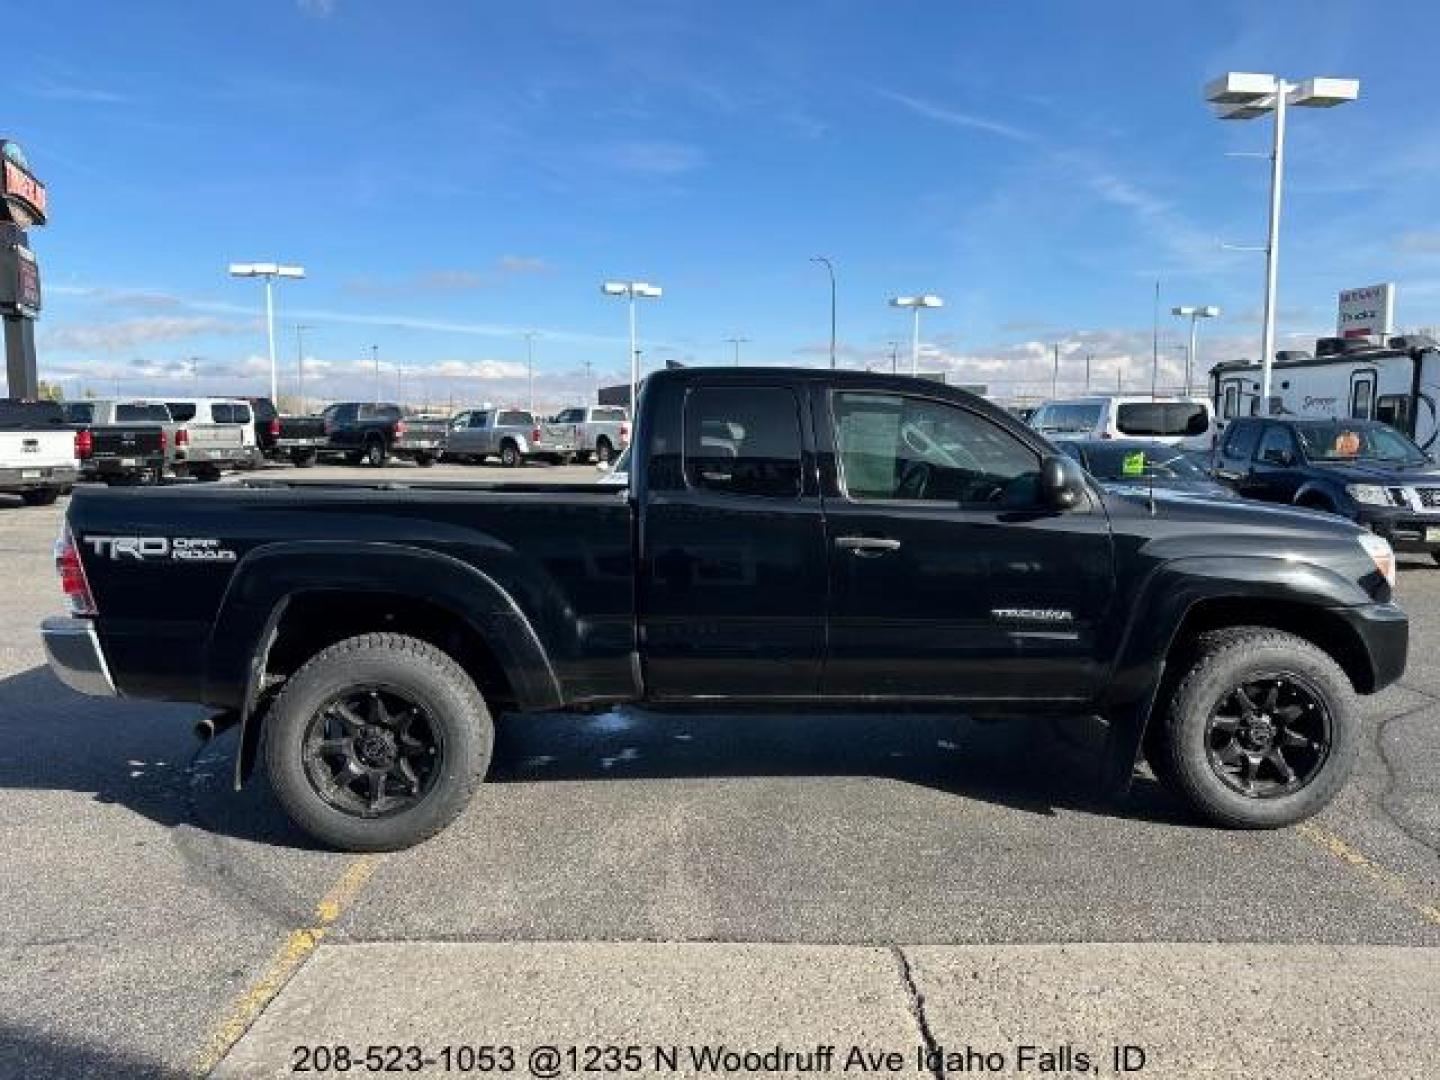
787, 539
375, 432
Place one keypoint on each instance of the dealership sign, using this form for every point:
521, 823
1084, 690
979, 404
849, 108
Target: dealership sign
24, 196
1367, 312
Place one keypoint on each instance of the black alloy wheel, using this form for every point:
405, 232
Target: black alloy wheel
1269, 736
371, 752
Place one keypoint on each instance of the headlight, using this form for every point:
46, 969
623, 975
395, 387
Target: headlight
1373, 494
1381, 554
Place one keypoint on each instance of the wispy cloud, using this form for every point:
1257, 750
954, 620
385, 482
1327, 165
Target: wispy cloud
57, 90
319, 8
651, 158
1420, 242
954, 118
130, 333
503, 269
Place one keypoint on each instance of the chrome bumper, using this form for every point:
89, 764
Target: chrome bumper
75, 656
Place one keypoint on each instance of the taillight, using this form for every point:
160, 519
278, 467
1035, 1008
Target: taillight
535, 435
624, 433
165, 440
182, 437
275, 427
84, 445
399, 429
72, 575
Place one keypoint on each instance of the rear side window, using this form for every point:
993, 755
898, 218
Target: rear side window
229, 412
18, 414
1240, 440
1162, 418
80, 412
182, 411
142, 413
571, 416
743, 441
609, 416
1069, 417
514, 419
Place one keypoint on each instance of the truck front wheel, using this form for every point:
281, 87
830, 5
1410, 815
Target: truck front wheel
1261, 730
377, 743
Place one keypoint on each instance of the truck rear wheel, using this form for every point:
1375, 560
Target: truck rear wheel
302, 459
377, 743
509, 454
375, 453
1260, 732
39, 496
604, 452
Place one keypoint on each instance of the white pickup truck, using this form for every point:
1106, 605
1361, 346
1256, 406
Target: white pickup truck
37, 451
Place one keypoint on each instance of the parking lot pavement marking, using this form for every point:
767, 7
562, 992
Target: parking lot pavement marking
1394, 884
298, 946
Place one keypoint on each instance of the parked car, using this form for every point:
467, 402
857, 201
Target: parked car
1364, 470
845, 539
1143, 465
374, 432
302, 439
1187, 422
38, 451
512, 435
220, 433
599, 432
127, 441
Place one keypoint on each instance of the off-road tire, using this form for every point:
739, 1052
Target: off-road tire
421, 671
1219, 661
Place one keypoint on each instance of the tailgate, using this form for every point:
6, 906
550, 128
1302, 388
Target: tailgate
215, 437
36, 449
125, 442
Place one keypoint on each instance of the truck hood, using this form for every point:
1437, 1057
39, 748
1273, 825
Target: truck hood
1208, 512
1376, 472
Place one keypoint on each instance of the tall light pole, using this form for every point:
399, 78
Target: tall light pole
1241, 95
530, 336
916, 304
1055, 373
268, 271
1194, 314
375, 356
299, 365
737, 342
830, 267
632, 290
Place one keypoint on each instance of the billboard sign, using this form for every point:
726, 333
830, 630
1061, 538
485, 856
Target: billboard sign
24, 196
1367, 312
19, 281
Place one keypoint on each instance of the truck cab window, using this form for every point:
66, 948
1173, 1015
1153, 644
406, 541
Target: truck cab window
743, 440
894, 447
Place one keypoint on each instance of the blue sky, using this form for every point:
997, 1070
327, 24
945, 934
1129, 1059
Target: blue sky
453, 174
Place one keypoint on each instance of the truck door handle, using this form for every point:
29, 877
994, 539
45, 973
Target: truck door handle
867, 545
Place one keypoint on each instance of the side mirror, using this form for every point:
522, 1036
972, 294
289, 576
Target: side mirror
1061, 483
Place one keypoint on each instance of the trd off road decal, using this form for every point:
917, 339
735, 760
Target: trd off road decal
160, 548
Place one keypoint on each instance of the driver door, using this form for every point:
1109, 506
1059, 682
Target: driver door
948, 578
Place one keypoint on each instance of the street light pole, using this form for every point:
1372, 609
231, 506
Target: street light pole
268, 271
737, 342
830, 267
1242, 95
1194, 313
375, 356
632, 290
915, 303
1055, 373
299, 367
530, 365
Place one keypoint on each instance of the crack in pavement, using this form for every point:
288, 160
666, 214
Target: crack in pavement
1392, 774
915, 1003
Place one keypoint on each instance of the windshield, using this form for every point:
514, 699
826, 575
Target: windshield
1141, 461
1167, 418
1341, 441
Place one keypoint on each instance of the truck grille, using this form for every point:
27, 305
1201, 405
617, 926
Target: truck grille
1429, 497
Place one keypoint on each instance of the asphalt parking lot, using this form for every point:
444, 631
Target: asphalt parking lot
893, 880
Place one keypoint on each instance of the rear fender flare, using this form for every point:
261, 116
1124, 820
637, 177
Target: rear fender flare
269, 577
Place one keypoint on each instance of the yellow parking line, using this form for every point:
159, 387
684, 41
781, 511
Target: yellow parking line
1387, 879
298, 946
